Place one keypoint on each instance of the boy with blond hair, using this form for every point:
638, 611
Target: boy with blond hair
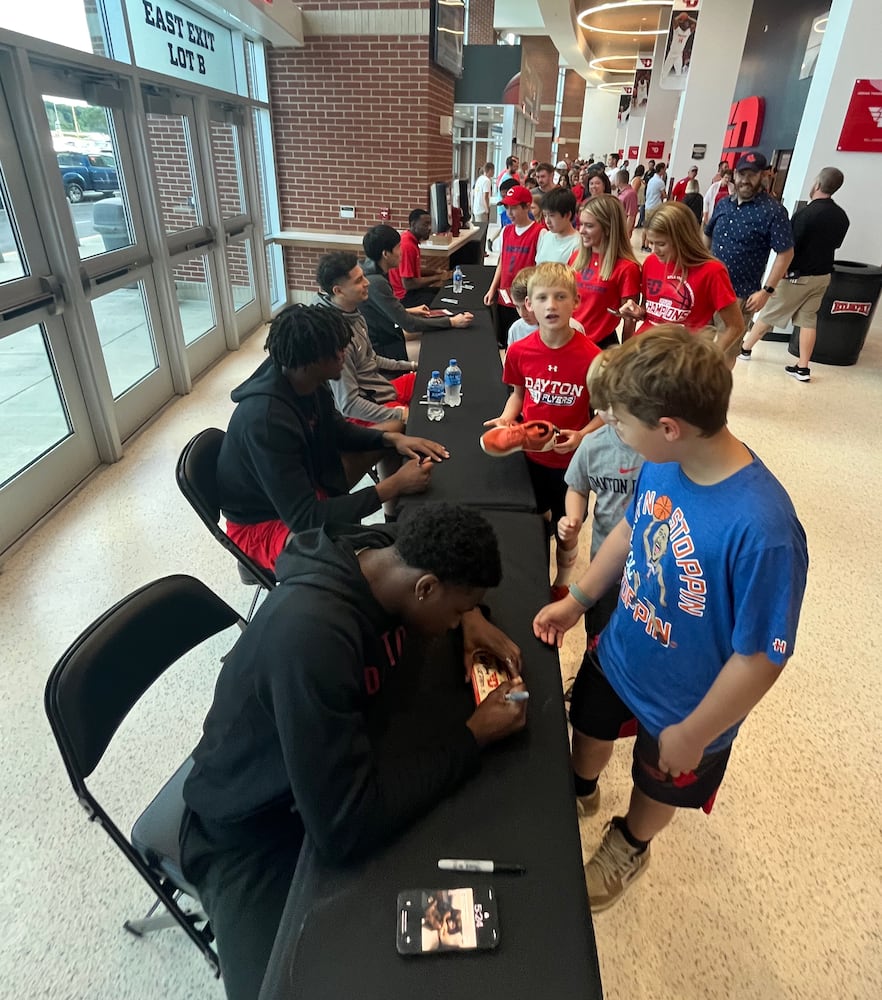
549, 410
712, 564
526, 322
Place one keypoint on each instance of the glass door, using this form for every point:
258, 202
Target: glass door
183, 190
46, 442
88, 116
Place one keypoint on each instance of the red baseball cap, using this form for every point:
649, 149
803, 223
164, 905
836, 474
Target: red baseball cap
518, 195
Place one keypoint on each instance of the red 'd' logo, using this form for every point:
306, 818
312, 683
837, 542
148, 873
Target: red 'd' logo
861, 308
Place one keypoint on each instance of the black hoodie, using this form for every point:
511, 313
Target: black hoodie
293, 706
386, 317
280, 448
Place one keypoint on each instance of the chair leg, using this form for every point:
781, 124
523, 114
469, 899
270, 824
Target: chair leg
254, 601
202, 938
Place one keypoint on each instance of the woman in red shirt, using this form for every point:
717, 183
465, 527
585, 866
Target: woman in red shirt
682, 281
607, 272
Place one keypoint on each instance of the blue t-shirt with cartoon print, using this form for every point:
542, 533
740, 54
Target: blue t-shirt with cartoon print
712, 570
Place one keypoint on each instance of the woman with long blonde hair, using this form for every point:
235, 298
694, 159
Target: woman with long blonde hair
607, 272
683, 282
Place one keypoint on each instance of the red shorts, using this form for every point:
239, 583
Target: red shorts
403, 395
261, 542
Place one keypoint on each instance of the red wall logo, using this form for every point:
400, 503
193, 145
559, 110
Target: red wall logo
745, 127
861, 308
633, 152
655, 150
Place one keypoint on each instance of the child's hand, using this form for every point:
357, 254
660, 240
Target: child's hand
490, 297
500, 422
568, 528
567, 441
677, 752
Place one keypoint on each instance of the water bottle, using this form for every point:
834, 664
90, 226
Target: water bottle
452, 384
457, 280
435, 396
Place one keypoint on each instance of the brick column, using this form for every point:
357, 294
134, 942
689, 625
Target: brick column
481, 30
571, 116
356, 121
539, 65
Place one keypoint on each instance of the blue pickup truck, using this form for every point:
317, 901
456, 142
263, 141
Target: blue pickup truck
81, 172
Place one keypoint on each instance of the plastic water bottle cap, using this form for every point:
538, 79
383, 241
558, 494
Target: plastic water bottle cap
436, 374
452, 362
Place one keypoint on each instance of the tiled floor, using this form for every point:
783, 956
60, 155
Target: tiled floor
777, 896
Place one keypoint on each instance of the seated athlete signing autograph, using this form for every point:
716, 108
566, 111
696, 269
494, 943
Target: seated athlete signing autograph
306, 735
289, 459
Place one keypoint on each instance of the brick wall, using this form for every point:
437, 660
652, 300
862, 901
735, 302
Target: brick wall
539, 62
571, 116
481, 31
355, 122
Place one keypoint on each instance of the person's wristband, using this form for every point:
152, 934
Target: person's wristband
768, 290
581, 597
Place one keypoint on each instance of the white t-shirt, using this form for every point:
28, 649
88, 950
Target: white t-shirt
483, 185
556, 248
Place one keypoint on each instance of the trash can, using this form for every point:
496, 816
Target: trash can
845, 315
110, 222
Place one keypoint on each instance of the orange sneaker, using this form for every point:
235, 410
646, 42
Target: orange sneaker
534, 435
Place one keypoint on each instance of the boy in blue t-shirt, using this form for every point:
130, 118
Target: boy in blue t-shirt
712, 562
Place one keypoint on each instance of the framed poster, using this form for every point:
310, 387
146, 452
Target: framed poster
862, 128
447, 30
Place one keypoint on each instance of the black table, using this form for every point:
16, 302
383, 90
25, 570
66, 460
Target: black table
337, 936
469, 476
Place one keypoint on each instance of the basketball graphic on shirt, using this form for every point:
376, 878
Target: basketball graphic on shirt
661, 509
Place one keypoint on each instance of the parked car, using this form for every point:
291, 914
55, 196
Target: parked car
83, 172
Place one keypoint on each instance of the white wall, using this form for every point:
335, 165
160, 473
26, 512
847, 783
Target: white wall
599, 122
703, 115
850, 51
661, 108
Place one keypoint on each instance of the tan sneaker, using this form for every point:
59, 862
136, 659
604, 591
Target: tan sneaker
615, 865
588, 805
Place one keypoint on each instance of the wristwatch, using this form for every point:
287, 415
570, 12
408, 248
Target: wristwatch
768, 290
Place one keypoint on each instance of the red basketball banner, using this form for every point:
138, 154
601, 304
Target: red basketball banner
655, 150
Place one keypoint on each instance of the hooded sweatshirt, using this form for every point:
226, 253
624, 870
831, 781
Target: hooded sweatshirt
280, 449
387, 318
361, 390
293, 723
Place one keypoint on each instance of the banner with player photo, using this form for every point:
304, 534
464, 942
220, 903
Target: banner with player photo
625, 105
640, 95
678, 51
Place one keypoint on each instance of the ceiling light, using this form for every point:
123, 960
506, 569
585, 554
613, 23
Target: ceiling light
622, 5
821, 24
598, 64
618, 88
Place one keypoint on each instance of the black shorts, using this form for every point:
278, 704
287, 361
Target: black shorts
550, 488
597, 711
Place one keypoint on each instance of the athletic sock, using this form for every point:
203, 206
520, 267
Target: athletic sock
584, 786
622, 825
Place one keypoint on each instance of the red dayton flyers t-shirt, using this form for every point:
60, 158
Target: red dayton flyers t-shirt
597, 295
692, 301
517, 252
554, 385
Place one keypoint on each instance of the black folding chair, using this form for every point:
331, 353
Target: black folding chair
196, 474
89, 693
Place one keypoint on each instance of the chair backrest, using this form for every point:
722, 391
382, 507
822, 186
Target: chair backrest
114, 661
196, 474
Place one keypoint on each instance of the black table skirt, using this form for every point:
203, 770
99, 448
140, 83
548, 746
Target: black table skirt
337, 937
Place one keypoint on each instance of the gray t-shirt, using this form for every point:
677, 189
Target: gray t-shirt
605, 464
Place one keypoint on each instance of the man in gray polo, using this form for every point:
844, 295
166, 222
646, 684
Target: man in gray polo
818, 231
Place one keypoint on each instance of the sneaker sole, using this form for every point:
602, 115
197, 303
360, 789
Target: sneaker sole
744, 357
799, 377
600, 907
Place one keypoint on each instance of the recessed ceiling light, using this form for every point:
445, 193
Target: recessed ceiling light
622, 5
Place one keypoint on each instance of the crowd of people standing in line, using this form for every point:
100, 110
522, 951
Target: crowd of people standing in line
617, 388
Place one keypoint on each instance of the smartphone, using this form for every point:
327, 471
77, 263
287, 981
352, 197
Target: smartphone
432, 921
487, 674
437, 313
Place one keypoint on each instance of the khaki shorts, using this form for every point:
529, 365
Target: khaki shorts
797, 300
